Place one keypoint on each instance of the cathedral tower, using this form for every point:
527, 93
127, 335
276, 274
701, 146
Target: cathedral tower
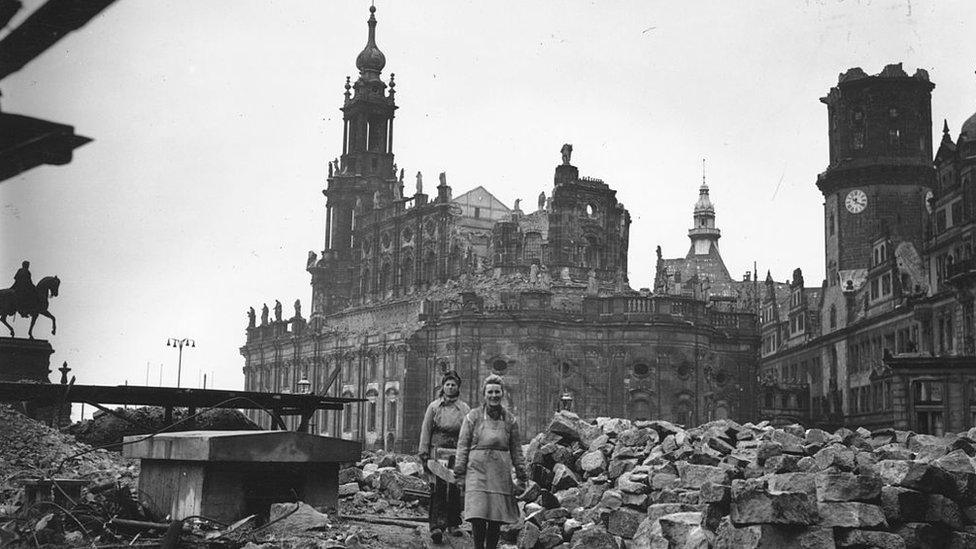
880, 133
363, 175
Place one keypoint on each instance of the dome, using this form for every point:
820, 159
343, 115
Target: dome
968, 130
371, 58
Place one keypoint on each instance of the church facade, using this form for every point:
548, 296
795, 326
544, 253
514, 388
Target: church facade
409, 285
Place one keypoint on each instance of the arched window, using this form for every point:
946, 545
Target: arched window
833, 316
364, 283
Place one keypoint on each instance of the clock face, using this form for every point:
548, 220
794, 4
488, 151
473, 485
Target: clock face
856, 201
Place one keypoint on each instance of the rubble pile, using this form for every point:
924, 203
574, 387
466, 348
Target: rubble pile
614, 483
384, 484
108, 430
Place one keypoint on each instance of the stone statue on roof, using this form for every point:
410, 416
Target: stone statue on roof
250, 317
542, 200
277, 311
567, 152
420, 183
264, 314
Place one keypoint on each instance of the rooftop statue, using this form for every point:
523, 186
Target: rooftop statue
420, 183
28, 300
298, 308
542, 200
277, 311
250, 317
567, 152
264, 314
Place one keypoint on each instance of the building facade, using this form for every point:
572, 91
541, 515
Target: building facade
887, 340
409, 285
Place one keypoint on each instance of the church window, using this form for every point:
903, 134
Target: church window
406, 271
928, 392
477, 212
375, 164
364, 284
590, 210
875, 289
371, 424
893, 112
641, 369
391, 414
499, 366
886, 284
833, 316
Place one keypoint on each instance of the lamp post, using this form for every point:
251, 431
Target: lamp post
180, 343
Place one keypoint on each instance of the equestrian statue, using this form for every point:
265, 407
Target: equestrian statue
28, 300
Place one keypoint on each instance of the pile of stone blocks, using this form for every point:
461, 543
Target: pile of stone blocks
613, 483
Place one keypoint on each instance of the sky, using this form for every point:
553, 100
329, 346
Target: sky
213, 123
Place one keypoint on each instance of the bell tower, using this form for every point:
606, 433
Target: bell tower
880, 134
364, 172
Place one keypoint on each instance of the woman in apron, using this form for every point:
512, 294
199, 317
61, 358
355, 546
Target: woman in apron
439, 435
489, 447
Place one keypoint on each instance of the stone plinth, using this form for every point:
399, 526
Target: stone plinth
23, 359
227, 475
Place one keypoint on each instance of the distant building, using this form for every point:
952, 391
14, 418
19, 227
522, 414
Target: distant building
410, 284
888, 338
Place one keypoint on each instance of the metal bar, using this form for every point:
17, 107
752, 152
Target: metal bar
115, 414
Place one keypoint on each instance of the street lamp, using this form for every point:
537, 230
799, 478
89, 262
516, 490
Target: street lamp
180, 343
304, 385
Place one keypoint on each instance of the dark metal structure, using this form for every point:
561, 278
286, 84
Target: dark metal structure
276, 404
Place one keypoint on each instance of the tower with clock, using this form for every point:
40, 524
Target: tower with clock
880, 134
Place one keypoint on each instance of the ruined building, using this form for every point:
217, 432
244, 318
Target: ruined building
411, 284
888, 339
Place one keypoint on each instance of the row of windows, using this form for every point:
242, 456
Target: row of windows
870, 398
372, 416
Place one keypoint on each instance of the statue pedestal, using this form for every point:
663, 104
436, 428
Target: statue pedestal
25, 359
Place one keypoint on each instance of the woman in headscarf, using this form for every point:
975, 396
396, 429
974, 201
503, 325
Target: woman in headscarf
489, 447
438, 440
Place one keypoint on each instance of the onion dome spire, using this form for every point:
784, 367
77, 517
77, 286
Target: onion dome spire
371, 60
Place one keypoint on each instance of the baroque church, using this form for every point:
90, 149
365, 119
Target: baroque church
409, 285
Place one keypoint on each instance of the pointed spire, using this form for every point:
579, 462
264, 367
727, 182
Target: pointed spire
945, 127
703, 174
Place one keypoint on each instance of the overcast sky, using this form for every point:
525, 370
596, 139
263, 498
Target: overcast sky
214, 121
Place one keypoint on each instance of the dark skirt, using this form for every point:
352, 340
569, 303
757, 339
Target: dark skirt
445, 502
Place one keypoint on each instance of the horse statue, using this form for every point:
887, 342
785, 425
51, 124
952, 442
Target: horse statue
46, 287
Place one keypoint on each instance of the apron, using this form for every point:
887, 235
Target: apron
488, 482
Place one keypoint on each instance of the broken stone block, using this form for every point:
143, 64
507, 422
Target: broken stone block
756, 506
565, 424
842, 486
619, 467
593, 538
793, 482
611, 499
684, 530
528, 536
292, 519
714, 493
593, 463
569, 498
851, 514
894, 451
350, 474
348, 489
869, 538
958, 467
903, 504
627, 484
661, 481
624, 522
835, 455
410, 468
768, 536
563, 477
547, 499
913, 474
550, 536
783, 463
942, 510
635, 501
921, 535
693, 476
648, 536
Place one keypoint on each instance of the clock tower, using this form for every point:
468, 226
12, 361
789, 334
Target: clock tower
880, 133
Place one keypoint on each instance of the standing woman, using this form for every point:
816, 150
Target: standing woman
488, 448
439, 435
